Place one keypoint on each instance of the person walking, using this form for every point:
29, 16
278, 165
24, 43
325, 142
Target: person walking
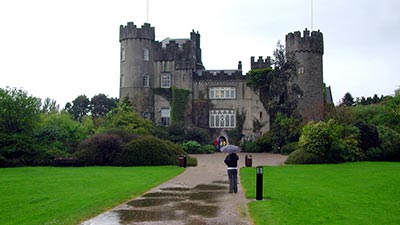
231, 162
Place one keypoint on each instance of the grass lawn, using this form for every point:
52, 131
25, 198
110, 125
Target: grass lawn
350, 193
48, 195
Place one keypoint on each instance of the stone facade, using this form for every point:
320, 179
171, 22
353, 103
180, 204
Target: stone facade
148, 65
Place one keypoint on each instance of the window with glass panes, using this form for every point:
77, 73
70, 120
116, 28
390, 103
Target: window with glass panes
165, 80
222, 92
222, 118
146, 80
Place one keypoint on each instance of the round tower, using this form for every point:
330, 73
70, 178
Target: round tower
307, 51
136, 66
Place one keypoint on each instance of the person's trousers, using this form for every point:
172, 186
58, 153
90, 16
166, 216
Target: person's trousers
232, 174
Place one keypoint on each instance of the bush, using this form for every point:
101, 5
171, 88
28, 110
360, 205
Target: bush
191, 161
331, 141
192, 147
289, 148
265, 142
198, 134
148, 151
250, 146
99, 150
176, 132
301, 156
207, 148
23, 150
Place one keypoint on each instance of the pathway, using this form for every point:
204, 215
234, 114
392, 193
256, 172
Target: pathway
197, 196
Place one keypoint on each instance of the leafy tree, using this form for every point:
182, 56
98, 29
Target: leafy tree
347, 100
59, 131
125, 118
284, 130
331, 141
275, 85
369, 137
79, 108
49, 105
101, 105
19, 112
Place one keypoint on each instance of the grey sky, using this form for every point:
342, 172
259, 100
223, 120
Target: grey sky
62, 49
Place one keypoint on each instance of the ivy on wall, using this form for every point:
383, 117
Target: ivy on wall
178, 104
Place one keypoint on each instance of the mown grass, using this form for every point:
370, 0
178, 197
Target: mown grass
350, 193
48, 195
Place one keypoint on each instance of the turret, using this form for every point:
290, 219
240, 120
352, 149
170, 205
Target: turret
136, 66
307, 51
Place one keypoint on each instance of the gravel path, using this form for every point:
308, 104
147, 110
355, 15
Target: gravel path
197, 196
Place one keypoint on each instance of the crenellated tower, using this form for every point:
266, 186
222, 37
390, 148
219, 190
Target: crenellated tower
136, 66
307, 50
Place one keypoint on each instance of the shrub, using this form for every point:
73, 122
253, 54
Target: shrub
176, 132
207, 148
23, 150
300, 156
331, 141
289, 148
99, 150
148, 151
192, 147
198, 134
265, 142
191, 161
250, 146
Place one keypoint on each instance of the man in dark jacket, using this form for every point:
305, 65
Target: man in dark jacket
231, 162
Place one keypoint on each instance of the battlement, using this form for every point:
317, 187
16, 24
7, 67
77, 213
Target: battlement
260, 63
219, 75
307, 43
130, 31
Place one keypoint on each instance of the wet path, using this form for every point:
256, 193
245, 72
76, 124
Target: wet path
197, 196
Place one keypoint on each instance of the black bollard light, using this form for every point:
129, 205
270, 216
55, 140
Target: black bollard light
259, 183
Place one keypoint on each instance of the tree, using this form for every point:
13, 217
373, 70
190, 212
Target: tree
19, 112
101, 105
347, 100
59, 131
125, 118
49, 105
79, 108
276, 87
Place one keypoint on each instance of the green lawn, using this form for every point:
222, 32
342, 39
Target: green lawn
48, 195
350, 193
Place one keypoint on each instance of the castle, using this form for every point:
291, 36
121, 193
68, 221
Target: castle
215, 97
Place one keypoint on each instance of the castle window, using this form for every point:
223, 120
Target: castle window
122, 54
165, 116
222, 92
146, 80
122, 80
300, 70
165, 80
222, 118
146, 54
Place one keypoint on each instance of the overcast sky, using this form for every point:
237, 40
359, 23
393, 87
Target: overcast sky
62, 49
